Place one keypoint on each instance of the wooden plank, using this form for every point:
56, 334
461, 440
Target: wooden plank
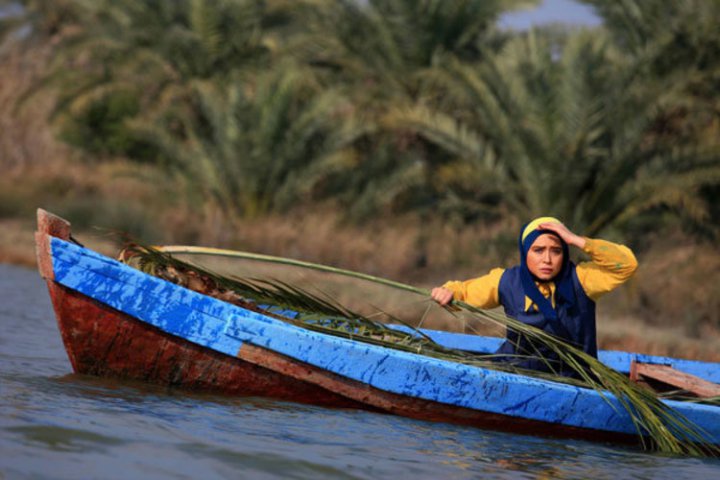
622, 361
676, 378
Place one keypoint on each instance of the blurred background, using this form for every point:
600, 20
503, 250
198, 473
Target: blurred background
408, 139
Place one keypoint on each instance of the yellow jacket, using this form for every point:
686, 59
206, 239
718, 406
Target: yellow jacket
611, 265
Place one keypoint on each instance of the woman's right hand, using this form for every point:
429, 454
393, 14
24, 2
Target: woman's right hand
442, 295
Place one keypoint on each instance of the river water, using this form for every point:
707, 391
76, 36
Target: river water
58, 425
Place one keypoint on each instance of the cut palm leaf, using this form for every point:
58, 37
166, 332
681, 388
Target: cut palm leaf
659, 426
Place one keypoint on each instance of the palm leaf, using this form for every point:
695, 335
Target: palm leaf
659, 426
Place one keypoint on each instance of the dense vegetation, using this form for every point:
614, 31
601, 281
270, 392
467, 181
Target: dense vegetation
396, 106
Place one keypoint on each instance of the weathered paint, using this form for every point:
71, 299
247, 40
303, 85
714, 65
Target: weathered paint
176, 310
617, 360
102, 341
416, 407
223, 327
421, 377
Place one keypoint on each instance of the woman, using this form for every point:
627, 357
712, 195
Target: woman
547, 290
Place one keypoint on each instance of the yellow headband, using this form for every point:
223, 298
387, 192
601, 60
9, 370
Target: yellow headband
534, 224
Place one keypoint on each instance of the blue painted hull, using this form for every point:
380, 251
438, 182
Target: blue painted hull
349, 366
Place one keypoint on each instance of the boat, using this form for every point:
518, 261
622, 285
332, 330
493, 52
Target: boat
117, 321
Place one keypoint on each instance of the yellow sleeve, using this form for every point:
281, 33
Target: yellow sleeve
612, 265
481, 292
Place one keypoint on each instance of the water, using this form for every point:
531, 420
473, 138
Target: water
58, 425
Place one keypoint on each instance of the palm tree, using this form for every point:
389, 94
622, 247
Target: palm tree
381, 53
562, 127
679, 42
254, 148
128, 58
384, 46
137, 60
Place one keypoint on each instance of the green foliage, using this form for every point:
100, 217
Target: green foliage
100, 126
257, 148
124, 61
678, 45
564, 128
397, 106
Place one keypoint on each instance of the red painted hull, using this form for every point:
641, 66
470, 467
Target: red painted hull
104, 342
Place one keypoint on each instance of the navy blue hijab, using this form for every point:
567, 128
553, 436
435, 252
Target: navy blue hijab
564, 290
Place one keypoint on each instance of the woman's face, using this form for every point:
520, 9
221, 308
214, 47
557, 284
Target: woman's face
545, 257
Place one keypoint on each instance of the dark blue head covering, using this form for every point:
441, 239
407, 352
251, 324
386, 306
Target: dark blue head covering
564, 291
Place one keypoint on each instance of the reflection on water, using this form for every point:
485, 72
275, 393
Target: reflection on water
55, 424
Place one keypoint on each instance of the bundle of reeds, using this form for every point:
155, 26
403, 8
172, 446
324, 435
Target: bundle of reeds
659, 427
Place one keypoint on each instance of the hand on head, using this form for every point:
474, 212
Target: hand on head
564, 233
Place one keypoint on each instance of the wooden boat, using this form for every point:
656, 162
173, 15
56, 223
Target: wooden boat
118, 321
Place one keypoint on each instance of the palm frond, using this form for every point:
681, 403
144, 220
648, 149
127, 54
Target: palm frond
315, 311
659, 426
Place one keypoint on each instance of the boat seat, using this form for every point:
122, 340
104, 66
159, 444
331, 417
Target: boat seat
651, 374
